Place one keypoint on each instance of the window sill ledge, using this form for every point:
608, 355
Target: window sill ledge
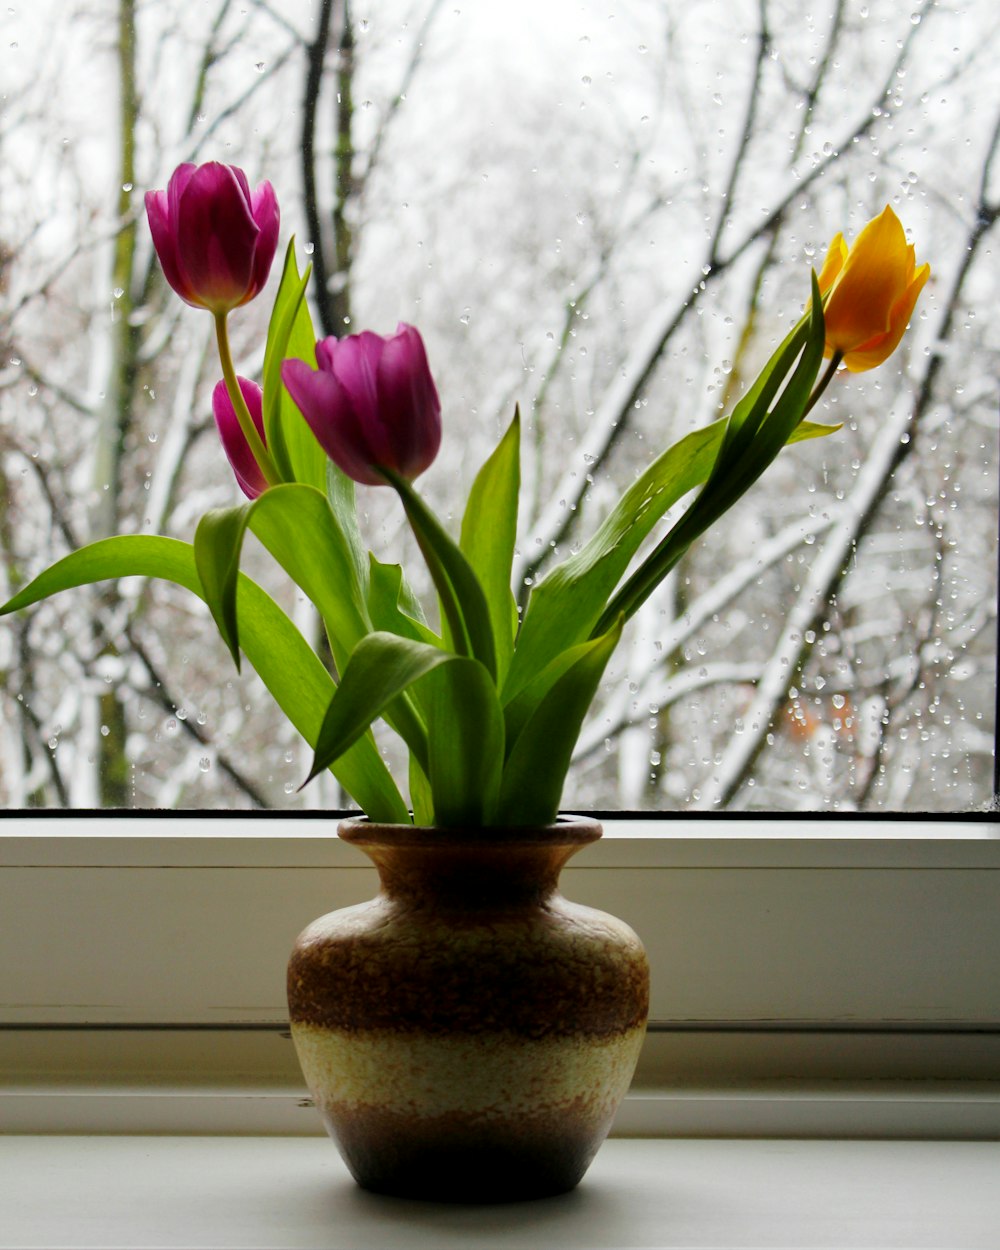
295, 1193
901, 1110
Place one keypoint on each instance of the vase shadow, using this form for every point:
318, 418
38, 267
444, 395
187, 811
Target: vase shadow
593, 1214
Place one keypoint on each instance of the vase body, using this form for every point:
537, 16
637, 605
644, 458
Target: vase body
469, 1033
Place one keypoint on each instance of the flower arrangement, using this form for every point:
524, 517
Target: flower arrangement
489, 706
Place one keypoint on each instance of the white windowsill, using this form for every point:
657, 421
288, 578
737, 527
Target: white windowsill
285, 1193
828, 1108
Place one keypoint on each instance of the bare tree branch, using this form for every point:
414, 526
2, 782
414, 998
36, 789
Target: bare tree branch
613, 416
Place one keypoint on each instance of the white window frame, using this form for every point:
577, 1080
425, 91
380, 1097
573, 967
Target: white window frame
812, 976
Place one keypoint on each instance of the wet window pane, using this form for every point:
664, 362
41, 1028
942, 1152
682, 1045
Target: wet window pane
605, 213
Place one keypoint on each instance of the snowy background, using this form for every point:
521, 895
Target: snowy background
605, 212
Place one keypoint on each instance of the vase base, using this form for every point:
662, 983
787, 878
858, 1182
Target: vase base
472, 1179
491, 1167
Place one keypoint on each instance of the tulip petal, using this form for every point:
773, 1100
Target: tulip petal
248, 472
164, 241
179, 180
372, 403
833, 264
354, 362
355, 365
329, 411
871, 281
869, 355
265, 212
409, 399
326, 349
216, 237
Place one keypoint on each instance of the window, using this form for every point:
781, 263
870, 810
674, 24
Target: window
583, 206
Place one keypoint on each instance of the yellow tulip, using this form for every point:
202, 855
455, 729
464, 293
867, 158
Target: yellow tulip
870, 291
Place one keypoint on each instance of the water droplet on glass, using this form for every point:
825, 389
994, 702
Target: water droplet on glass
204, 763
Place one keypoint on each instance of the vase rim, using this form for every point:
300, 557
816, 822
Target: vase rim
568, 830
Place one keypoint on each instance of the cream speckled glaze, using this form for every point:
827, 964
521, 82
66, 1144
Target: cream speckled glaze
469, 1034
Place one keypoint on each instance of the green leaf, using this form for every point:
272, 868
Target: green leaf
463, 603
298, 527
777, 429
420, 795
746, 455
741, 460
464, 749
748, 414
489, 531
392, 605
520, 709
217, 544
382, 666
290, 334
806, 430
466, 738
568, 604
282, 658
535, 773
387, 592
340, 495
563, 608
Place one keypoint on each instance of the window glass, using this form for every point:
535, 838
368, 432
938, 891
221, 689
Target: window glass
604, 212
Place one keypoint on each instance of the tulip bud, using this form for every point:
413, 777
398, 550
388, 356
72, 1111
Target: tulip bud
215, 239
234, 443
371, 404
870, 292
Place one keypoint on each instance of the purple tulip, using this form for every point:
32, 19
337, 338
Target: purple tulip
215, 239
371, 404
248, 472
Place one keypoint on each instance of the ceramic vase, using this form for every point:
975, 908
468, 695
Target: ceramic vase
469, 1033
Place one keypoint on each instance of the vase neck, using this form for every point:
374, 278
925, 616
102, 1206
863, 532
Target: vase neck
465, 869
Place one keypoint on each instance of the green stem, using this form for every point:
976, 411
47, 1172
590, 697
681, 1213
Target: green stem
260, 452
462, 599
824, 382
